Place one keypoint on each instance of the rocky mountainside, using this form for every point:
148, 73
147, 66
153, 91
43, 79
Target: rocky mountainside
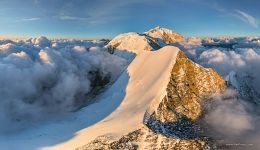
170, 121
173, 125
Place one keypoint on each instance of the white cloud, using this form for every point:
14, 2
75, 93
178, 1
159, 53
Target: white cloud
228, 116
30, 19
63, 17
42, 77
249, 19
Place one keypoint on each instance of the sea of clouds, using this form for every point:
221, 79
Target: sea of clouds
41, 77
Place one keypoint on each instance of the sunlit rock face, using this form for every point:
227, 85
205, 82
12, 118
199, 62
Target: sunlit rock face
166, 35
189, 86
145, 139
176, 116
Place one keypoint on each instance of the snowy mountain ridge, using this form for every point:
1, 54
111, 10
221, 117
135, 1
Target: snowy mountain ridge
170, 119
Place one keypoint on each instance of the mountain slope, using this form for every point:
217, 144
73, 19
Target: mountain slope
169, 121
148, 74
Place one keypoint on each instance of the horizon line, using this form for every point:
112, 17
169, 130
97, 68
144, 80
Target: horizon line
19, 37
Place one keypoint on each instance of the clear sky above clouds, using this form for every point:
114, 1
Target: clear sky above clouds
107, 18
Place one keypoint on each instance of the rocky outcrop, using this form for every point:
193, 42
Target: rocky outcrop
145, 139
189, 85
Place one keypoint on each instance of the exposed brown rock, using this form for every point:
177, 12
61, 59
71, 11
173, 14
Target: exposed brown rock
190, 84
146, 139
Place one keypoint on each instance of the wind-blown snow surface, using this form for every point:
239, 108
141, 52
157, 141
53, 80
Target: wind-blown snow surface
116, 112
41, 78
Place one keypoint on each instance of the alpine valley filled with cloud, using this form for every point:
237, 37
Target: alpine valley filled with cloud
103, 75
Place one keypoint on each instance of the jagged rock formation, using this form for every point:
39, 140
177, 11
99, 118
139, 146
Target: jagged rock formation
189, 85
166, 35
146, 139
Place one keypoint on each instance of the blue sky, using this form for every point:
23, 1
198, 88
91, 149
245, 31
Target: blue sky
107, 18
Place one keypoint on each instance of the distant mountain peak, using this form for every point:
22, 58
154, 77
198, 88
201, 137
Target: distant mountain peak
168, 36
133, 42
149, 41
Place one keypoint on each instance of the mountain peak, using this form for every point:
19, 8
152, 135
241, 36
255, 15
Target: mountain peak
168, 92
168, 36
133, 42
152, 40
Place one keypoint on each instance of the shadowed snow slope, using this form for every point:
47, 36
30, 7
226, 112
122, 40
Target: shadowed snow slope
149, 74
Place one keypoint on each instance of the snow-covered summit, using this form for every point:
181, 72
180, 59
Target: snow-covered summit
149, 41
166, 35
133, 42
